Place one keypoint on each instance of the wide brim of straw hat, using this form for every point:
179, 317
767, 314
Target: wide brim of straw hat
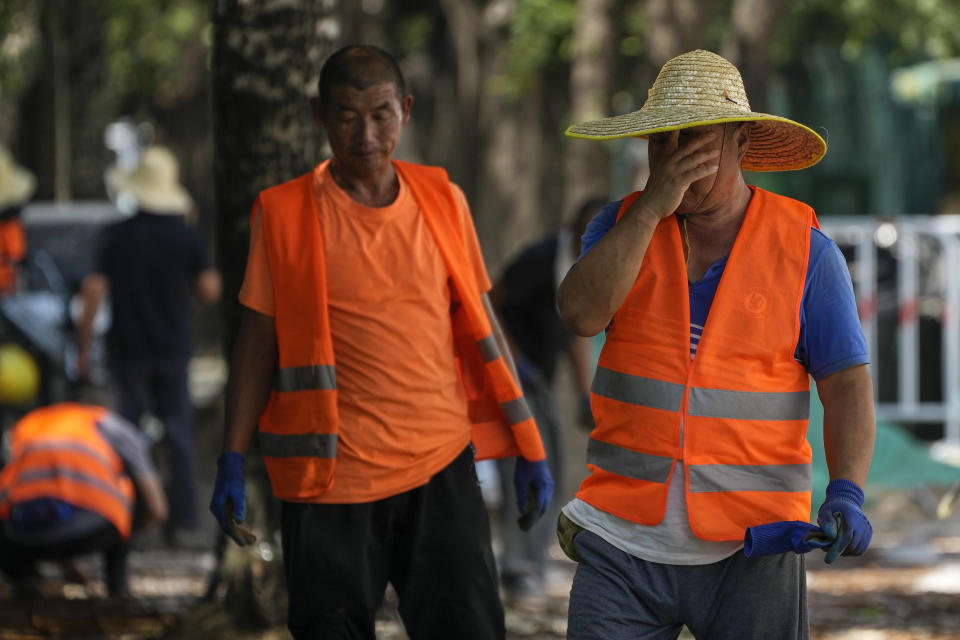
165, 198
776, 143
17, 185
700, 88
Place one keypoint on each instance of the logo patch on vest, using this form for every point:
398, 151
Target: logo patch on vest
755, 302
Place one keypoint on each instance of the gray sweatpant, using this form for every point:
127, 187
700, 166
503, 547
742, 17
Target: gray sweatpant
616, 596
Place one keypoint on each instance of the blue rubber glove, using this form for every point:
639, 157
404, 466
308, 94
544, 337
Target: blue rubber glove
780, 537
229, 488
842, 519
534, 486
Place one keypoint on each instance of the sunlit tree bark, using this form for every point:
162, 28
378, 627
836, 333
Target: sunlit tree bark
266, 61
753, 26
587, 166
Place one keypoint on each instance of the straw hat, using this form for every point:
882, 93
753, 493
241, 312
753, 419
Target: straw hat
699, 88
154, 183
16, 183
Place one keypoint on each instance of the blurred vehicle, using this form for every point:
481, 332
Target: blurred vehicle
42, 313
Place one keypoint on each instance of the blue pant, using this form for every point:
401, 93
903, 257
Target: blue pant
616, 596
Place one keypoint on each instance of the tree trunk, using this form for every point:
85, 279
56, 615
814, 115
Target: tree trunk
266, 62
506, 203
674, 27
587, 166
63, 113
753, 26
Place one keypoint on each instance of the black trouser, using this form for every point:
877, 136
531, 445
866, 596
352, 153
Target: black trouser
431, 543
18, 558
161, 388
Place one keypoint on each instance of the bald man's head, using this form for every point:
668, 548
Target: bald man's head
359, 66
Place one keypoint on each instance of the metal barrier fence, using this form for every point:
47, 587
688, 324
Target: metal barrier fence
906, 275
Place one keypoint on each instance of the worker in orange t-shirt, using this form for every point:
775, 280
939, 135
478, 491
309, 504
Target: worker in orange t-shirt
16, 188
352, 365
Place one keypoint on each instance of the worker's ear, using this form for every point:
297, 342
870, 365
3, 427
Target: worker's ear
741, 137
406, 104
317, 107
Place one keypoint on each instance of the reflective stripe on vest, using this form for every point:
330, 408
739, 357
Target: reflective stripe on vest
26, 477
627, 463
749, 405
646, 392
296, 445
750, 477
309, 378
704, 477
516, 410
74, 447
707, 403
489, 349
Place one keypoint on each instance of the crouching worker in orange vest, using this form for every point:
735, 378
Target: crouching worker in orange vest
367, 360
76, 480
720, 300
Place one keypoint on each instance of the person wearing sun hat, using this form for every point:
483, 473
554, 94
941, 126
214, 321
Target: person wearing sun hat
149, 263
153, 185
17, 186
701, 396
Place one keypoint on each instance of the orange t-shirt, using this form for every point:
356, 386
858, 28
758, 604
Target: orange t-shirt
403, 412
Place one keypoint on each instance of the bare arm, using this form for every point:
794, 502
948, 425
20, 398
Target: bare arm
579, 352
252, 366
92, 291
154, 498
599, 282
849, 424
208, 286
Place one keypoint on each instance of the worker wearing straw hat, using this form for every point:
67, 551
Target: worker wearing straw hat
701, 396
16, 188
149, 263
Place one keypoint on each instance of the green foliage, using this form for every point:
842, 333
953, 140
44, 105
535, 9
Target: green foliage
540, 33
146, 41
634, 26
906, 30
414, 32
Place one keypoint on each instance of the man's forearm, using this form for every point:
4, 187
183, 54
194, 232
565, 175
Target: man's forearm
849, 423
599, 282
252, 367
579, 352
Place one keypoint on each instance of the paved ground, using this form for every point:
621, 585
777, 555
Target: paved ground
906, 586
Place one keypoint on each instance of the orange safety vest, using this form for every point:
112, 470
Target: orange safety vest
13, 247
299, 426
58, 453
737, 413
